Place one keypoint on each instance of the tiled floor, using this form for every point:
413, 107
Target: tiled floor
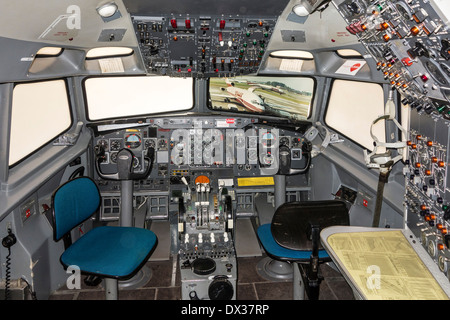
250, 286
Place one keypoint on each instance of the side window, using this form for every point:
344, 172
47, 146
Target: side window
352, 108
40, 112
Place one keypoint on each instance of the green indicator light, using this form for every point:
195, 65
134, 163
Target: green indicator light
441, 108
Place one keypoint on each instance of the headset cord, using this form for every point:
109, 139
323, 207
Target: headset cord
8, 275
8, 242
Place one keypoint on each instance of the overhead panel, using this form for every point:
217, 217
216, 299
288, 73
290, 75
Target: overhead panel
204, 39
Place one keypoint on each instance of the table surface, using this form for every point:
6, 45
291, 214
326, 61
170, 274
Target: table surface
385, 264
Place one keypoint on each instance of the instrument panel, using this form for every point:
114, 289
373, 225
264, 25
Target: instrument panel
242, 146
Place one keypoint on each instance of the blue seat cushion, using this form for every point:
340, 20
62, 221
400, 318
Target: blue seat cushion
115, 252
281, 253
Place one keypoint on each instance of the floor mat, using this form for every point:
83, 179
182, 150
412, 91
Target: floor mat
162, 230
246, 243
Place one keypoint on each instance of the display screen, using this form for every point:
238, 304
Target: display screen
289, 97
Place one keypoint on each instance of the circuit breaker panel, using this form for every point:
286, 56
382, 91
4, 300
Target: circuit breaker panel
410, 41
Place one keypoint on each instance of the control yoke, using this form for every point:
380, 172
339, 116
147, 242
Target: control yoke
285, 159
125, 165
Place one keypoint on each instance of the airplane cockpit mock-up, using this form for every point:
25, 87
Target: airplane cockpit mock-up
225, 150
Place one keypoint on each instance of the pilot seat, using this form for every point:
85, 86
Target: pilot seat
113, 253
293, 236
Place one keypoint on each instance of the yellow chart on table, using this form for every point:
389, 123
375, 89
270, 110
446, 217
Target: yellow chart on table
384, 266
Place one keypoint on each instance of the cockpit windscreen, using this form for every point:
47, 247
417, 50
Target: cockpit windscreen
289, 97
114, 97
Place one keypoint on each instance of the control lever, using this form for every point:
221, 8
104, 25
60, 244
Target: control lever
286, 157
285, 160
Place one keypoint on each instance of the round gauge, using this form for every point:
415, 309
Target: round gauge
268, 139
404, 10
135, 162
132, 141
162, 144
284, 141
181, 145
207, 149
423, 238
113, 157
115, 144
103, 144
442, 263
413, 158
206, 143
268, 159
440, 178
149, 143
434, 70
431, 248
252, 155
198, 157
424, 158
252, 142
240, 142
445, 68
296, 142
177, 159
198, 145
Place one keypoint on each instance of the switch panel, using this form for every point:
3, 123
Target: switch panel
409, 40
427, 198
203, 46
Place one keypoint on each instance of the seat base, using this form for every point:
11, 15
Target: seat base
275, 270
278, 252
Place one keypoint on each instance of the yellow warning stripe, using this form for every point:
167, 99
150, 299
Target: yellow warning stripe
255, 181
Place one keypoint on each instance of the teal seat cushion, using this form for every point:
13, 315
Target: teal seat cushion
115, 252
281, 253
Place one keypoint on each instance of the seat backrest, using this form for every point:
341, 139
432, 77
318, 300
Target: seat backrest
292, 221
72, 203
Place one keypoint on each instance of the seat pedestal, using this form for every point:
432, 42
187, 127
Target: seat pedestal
275, 270
111, 288
267, 267
138, 280
126, 220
